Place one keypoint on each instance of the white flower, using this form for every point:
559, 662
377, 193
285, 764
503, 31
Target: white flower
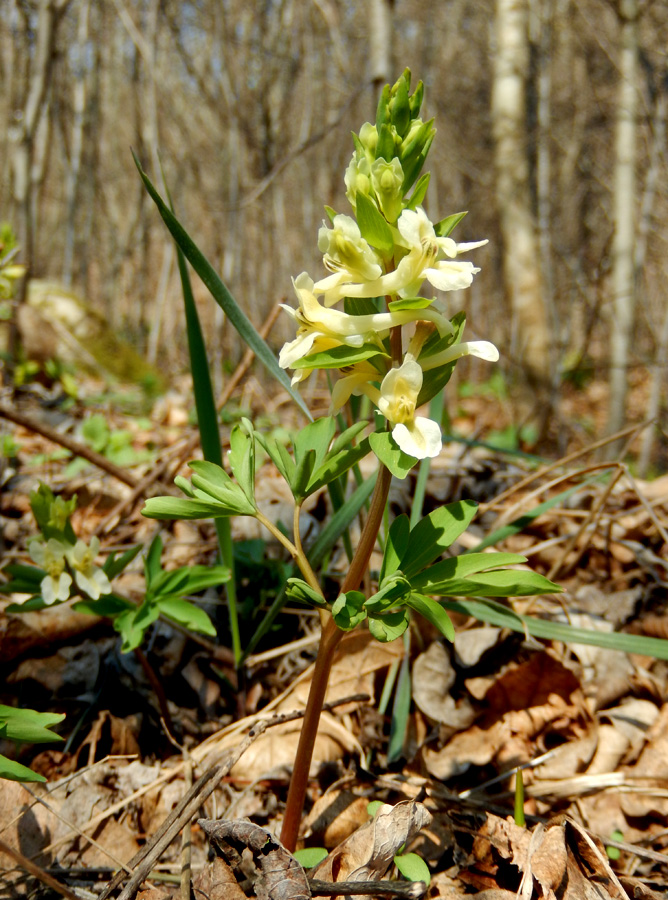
346, 250
426, 256
320, 328
51, 557
415, 435
89, 578
481, 349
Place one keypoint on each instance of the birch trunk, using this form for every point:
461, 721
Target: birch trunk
624, 203
521, 260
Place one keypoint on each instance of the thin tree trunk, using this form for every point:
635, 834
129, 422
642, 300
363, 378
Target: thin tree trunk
624, 202
21, 139
74, 169
522, 273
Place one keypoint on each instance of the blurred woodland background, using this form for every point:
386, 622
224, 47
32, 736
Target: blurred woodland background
551, 133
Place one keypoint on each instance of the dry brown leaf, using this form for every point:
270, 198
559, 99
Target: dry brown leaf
433, 676
274, 873
334, 817
653, 761
368, 853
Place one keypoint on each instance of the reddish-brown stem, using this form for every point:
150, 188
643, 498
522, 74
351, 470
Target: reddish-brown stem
329, 641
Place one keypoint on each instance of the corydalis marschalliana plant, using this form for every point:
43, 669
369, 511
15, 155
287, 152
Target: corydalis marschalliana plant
367, 323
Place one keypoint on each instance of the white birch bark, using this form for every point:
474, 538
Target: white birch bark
522, 274
624, 204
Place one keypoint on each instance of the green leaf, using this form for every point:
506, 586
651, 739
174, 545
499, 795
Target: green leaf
132, 625
242, 458
401, 708
409, 303
220, 293
433, 612
34, 604
186, 614
152, 567
436, 379
395, 546
14, 771
393, 592
435, 533
495, 613
348, 610
308, 857
95, 432
525, 519
344, 440
383, 445
109, 606
372, 224
24, 580
301, 591
338, 357
510, 583
386, 627
177, 508
302, 475
189, 580
28, 725
316, 437
446, 226
400, 108
413, 867
336, 465
420, 191
462, 566
113, 566
384, 149
278, 454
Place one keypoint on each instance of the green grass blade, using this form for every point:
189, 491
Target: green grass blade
400, 708
220, 293
496, 614
207, 422
522, 521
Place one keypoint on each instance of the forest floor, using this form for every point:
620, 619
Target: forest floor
438, 732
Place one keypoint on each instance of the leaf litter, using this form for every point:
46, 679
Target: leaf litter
587, 726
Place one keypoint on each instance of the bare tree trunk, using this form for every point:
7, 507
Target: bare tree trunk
380, 48
74, 170
21, 139
624, 201
522, 274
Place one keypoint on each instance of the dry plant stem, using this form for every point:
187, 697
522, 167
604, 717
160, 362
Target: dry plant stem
329, 641
29, 866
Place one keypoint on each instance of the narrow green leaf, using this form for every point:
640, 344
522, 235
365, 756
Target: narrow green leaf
338, 357
316, 437
152, 562
409, 303
435, 533
463, 566
433, 612
272, 447
181, 508
335, 466
496, 614
14, 771
401, 708
242, 458
420, 191
302, 475
220, 293
107, 606
344, 440
395, 546
446, 226
372, 224
113, 566
383, 445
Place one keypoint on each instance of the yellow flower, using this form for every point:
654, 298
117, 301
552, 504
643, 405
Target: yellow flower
51, 557
89, 578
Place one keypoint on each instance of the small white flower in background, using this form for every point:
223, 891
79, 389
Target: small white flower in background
89, 578
51, 557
